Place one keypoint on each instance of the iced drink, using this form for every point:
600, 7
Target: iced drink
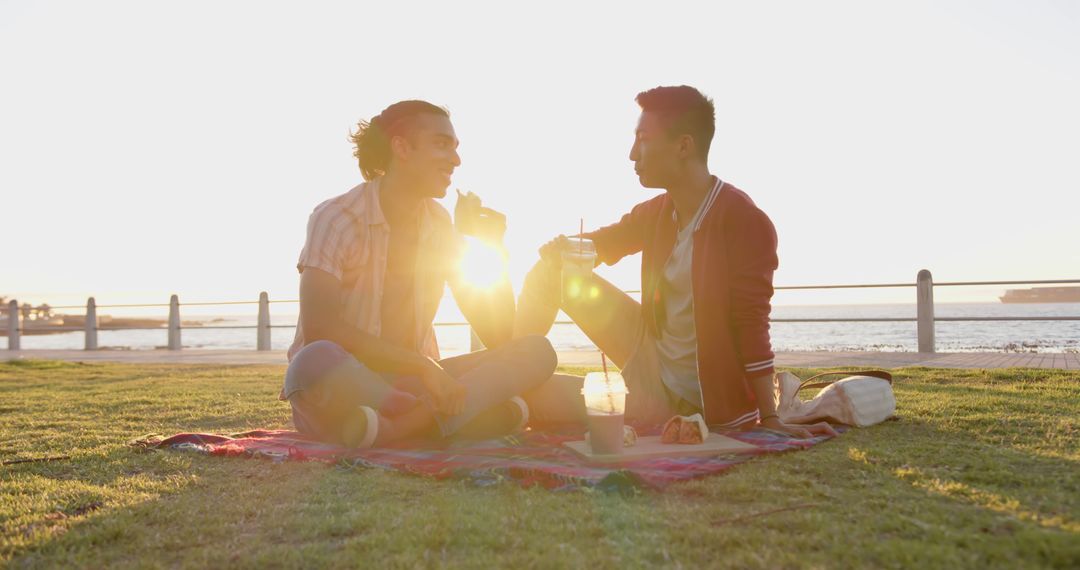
605, 433
578, 261
605, 405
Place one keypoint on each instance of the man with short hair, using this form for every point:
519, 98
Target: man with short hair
364, 366
699, 340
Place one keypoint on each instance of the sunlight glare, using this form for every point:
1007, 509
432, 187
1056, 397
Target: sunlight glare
482, 265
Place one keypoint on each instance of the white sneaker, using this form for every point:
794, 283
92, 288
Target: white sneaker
360, 428
517, 400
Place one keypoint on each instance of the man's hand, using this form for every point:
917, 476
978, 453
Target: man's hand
449, 394
473, 219
551, 251
765, 391
798, 430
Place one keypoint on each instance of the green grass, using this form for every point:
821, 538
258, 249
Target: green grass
981, 470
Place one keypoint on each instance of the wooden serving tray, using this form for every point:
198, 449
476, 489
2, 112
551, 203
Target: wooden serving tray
650, 447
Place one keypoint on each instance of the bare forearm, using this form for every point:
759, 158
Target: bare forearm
765, 394
320, 319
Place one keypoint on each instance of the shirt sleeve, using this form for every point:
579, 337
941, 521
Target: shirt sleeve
753, 262
331, 241
624, 237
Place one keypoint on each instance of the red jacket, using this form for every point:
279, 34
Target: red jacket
732, 271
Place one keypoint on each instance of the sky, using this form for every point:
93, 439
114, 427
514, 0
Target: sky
151, 148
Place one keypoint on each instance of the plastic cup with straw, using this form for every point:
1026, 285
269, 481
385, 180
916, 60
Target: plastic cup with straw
605, 402
578, 263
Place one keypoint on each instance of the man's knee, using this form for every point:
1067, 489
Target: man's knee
321, 350
538, 358
541, 271
314, 362
543, 282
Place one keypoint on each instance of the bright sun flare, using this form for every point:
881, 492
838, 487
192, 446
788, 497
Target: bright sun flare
482, 265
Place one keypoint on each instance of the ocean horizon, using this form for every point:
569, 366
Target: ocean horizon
951, 336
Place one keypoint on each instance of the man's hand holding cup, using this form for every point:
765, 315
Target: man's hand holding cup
472, 218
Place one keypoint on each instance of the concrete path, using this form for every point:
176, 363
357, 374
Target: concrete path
1069, 361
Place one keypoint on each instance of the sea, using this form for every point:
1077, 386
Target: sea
985, 336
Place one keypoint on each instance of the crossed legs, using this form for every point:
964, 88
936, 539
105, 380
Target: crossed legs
613, 321
328, 386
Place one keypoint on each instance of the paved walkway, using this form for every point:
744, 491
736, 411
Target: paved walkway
1070, 361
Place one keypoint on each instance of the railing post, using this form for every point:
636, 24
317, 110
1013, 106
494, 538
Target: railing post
91, 324
13, 325
925, 300
475, 343
262, 341
174, 323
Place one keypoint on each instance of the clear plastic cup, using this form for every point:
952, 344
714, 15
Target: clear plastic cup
605, 394
605, 406
578, 261
605, 433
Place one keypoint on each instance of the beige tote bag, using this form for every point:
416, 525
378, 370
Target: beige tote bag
862, 399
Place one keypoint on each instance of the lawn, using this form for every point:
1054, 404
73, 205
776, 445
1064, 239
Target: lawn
981, 470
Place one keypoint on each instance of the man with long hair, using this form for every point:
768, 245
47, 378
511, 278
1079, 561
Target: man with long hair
364, 366
698, 342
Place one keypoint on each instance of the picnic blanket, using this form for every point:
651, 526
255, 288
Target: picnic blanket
528, 459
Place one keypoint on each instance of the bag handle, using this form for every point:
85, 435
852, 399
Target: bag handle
872, 373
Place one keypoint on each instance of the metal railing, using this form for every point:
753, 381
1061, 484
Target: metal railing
923, 284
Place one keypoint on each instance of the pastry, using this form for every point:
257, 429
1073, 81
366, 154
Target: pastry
685, 429
670, 433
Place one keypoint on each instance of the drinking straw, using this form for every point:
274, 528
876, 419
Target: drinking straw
607, 384
581, 243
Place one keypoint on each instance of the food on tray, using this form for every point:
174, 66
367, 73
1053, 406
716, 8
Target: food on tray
685, 429
689, 433
670, 433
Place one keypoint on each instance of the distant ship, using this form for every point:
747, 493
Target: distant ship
1042, 295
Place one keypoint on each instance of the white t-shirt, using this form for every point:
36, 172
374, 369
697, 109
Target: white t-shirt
677, 344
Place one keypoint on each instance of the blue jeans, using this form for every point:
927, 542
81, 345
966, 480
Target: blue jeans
335, 379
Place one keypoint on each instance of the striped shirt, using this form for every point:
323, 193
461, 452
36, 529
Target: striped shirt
349, 237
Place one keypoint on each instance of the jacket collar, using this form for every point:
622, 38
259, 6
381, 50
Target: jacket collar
703, 210
710, 200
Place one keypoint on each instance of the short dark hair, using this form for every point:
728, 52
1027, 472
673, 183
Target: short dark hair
685, 111
371, 141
